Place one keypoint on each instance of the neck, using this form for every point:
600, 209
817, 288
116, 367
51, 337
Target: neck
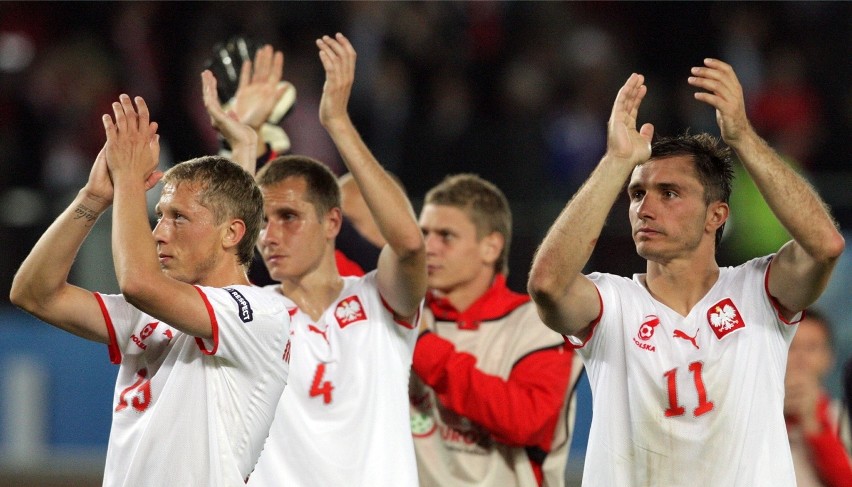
461, 297
681, 284
314, 292
225, 275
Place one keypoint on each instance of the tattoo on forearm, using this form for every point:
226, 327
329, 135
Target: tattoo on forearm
84, 212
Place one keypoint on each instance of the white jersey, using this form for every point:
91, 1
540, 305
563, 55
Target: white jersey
343, 419
688, 401
188, 411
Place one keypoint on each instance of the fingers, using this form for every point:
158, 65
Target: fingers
717, 79
209, 93
338, 58
245, 75
129, 119
629, 98
144, 115
153, 179
109, 127
268, 65
277, 71
262, 64
338, 49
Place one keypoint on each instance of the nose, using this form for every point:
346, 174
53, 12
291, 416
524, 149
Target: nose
432, 241
160, 231
645, 207
267, 236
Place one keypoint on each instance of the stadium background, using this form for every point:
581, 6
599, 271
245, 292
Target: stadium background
518, 92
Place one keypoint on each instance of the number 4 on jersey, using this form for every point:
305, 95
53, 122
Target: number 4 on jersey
674, 409
320, 387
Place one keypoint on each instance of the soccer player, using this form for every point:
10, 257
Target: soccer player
200, 350
686, 361
343, 419
489, 397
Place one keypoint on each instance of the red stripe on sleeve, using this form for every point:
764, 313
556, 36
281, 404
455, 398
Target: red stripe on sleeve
112, 346
213, 323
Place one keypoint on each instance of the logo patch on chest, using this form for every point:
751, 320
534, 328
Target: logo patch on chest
646, 331
724, 318
349, 311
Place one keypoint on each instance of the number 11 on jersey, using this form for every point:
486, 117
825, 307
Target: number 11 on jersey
675, 409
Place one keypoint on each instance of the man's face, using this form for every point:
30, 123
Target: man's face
810, 352
454, 255
189, 242
293, 239
668, 215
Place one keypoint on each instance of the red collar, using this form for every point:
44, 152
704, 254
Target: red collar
496, 302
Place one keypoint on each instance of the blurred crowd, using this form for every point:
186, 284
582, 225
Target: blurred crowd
518, 92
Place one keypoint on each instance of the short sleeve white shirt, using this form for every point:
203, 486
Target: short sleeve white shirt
188, 411
343, 419
692, 400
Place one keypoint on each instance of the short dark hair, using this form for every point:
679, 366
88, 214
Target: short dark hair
713, 163
322, 189
485, 205
228, 191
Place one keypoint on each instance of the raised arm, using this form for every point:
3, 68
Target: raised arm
242, 138
803, 266
566, 300
132, 153
402, 263
41, 286
262, 96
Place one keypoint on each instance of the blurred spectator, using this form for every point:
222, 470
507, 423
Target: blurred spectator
787, 108
812, 416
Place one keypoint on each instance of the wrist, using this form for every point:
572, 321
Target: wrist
93, 203
336, 124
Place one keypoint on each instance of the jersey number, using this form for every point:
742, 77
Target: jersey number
320, 387
704, 406
139, 394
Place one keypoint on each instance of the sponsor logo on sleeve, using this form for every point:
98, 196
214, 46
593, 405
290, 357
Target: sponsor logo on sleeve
144, 334
349, 311
724, 318
243, 306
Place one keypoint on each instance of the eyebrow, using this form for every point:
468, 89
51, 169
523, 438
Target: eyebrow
657, 186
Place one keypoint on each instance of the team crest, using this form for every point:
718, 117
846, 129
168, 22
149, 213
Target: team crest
349, 311
724, 318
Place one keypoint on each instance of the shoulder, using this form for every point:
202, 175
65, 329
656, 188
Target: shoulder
246, 300
611, 284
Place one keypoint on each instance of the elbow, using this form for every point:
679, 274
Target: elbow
835, 246
134, 290
17, 294
542, 285
411, 248
23, 295
830, 249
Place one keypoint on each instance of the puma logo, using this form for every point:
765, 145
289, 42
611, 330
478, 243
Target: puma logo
680, 334
318, 331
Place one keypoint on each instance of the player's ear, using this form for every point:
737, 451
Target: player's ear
717, 215
234, 233
491, 246
333, 221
